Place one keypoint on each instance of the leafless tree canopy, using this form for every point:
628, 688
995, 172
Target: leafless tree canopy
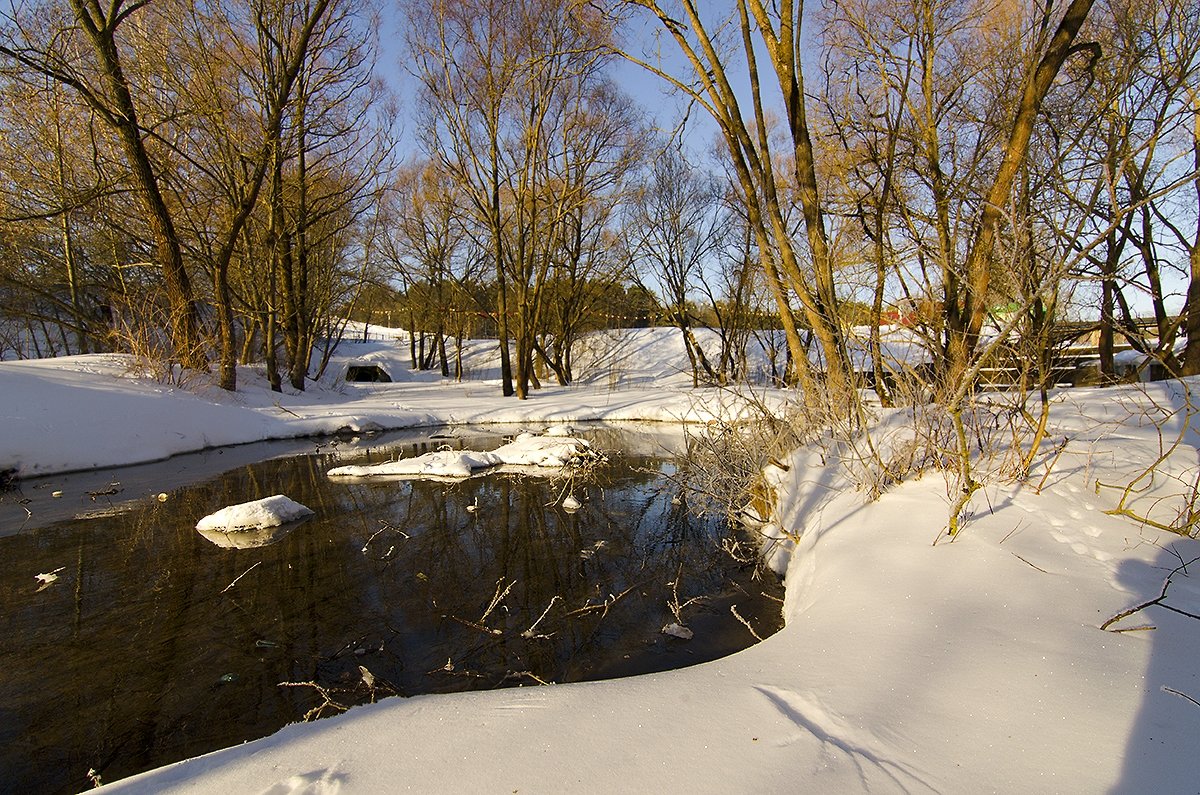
216, 183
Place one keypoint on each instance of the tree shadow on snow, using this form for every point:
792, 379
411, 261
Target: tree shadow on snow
1161, 754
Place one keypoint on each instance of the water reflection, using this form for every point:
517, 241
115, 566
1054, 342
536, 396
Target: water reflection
249, 539
155, 643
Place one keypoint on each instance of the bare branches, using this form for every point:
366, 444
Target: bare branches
1158, 600
240, 576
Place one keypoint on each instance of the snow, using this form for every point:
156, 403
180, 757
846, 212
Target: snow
445, 464
528, 450
905, 665
532, 450
267, 512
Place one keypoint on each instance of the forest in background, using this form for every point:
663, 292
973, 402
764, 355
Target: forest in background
211, 183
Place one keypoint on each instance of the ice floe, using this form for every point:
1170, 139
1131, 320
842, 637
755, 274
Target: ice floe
528, 450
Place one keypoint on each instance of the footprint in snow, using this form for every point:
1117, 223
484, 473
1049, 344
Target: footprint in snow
315, 782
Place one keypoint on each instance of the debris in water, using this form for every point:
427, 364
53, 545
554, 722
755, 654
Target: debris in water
570, 504
677, 631
47, 579
590, 552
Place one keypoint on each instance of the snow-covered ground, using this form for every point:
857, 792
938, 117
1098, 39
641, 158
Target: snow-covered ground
905, 665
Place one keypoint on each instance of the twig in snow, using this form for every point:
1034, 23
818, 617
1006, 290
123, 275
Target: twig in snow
240, 576
281, 408
1158, 600
1184, 696
1027, 563
1050, 467
1009, 534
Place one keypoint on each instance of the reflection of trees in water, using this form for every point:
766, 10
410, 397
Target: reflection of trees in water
146, 657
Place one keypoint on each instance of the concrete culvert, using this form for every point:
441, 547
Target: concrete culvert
367, 373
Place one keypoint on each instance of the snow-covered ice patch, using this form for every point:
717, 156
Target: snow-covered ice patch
532, 450
448, 464
528, 450
268, 512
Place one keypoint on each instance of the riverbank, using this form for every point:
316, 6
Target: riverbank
904, 665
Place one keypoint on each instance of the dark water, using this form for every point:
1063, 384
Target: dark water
155, 644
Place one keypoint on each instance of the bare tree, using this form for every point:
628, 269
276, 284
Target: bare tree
500, 86
677, 226
86, 56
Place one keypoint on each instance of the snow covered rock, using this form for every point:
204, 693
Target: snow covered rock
268, 512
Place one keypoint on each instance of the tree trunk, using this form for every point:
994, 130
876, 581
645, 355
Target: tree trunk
1191, 351
964, 333
184, 315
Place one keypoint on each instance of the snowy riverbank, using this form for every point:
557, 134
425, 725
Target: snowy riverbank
977, 665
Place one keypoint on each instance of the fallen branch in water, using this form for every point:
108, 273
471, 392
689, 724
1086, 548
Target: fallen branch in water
497, 598
529, 633
522, 674
607, 603
316, 711
475, 625
240, 576
745, 623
